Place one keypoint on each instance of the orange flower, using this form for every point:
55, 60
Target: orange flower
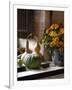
61, 49
61, 44
52, 44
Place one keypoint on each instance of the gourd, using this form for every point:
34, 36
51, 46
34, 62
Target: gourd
31, 60
20, 63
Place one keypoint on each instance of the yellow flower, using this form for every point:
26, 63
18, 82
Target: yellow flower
53, 34
61, 31
54, 26
56, 39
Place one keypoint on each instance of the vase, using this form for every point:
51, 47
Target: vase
45, 52
58, 57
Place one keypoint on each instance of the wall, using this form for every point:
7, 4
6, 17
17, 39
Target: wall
43, 20
58, 17
39, 22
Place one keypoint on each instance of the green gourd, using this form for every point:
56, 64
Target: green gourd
31, 60
20, 63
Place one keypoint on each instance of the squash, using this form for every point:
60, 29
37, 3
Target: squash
31, 60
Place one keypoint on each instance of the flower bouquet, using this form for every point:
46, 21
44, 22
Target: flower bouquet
54, 39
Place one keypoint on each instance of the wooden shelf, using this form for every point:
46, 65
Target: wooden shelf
37, 74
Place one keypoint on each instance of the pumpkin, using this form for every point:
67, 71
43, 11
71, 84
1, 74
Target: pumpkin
31, 60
